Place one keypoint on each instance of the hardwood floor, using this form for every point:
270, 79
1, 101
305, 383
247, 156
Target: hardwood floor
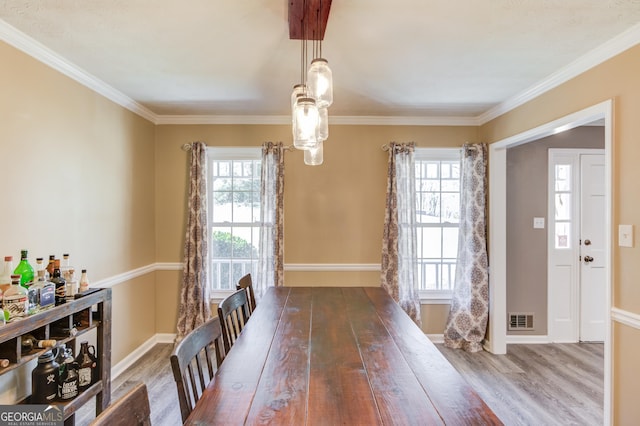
554, 384
153, 369
550, 384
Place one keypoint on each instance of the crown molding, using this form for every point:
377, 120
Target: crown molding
40, 52
595, 57
223, 119
333, 120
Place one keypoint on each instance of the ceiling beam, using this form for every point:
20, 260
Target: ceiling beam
310, 16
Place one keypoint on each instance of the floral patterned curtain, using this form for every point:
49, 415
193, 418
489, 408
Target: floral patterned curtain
399, 264
467, 322
194, 298
270, 272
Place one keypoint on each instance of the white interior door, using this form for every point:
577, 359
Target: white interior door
592, 248
576, 250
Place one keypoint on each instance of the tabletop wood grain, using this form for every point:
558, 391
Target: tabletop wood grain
329, 356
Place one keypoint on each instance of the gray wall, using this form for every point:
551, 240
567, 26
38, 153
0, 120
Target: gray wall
527, 198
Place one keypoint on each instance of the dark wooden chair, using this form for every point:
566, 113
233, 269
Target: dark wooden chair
246, 283
234, 314
194, 362
130, 410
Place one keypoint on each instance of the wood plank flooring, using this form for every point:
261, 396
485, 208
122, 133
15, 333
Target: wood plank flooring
549, 384
554, 384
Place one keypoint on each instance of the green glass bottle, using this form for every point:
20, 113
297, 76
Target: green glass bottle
24, 269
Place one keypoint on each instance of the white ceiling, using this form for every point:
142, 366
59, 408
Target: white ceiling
400, 58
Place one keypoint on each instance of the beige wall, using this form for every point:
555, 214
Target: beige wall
333, 213
79, 178
527, 198
80, 174
615, 79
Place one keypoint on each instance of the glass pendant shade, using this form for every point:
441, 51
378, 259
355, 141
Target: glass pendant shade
320, 82
314, 156
305, 123
298, 91
323, 124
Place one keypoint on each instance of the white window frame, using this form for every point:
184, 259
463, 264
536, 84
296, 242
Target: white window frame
436, 297
215, 154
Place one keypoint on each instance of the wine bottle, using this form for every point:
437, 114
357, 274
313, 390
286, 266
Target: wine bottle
60, 283
29, 343
24, 269
4, 363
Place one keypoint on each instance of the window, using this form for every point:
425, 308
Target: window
437, 218
234, 214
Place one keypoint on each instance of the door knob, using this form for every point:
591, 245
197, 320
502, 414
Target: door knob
588, 259
587, 242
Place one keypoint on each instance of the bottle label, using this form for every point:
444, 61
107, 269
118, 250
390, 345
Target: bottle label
17, 305
47, 295
84, 376
69, 389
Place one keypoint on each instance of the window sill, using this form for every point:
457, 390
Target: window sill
435, 297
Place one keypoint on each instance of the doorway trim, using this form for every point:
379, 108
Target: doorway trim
498, 229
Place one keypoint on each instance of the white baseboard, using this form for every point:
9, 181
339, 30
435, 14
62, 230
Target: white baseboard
436, 338
137, 353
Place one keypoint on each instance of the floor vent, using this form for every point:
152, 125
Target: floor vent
520, 321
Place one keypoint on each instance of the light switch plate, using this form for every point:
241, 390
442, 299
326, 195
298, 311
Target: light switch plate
625, 235
538, 222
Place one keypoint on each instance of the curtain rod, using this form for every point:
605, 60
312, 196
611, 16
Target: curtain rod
187, 147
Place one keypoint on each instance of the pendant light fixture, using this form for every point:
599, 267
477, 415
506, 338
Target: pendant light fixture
311, 97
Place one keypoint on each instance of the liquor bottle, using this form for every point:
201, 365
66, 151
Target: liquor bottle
15, 300
29, 343
84, 281
50, 266
25, 269
5, 277
60, 283
44, 380
69, 274
68, 381
86, 360
46, 290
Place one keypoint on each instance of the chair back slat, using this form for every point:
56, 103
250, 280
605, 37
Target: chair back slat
130, 410
234, 313
246, 283
191, 373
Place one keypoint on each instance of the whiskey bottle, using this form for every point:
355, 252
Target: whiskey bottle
50, 266
60, 283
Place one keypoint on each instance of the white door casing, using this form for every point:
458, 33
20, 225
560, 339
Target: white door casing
497, 335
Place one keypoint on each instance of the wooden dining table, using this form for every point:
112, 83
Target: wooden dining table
336, 356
